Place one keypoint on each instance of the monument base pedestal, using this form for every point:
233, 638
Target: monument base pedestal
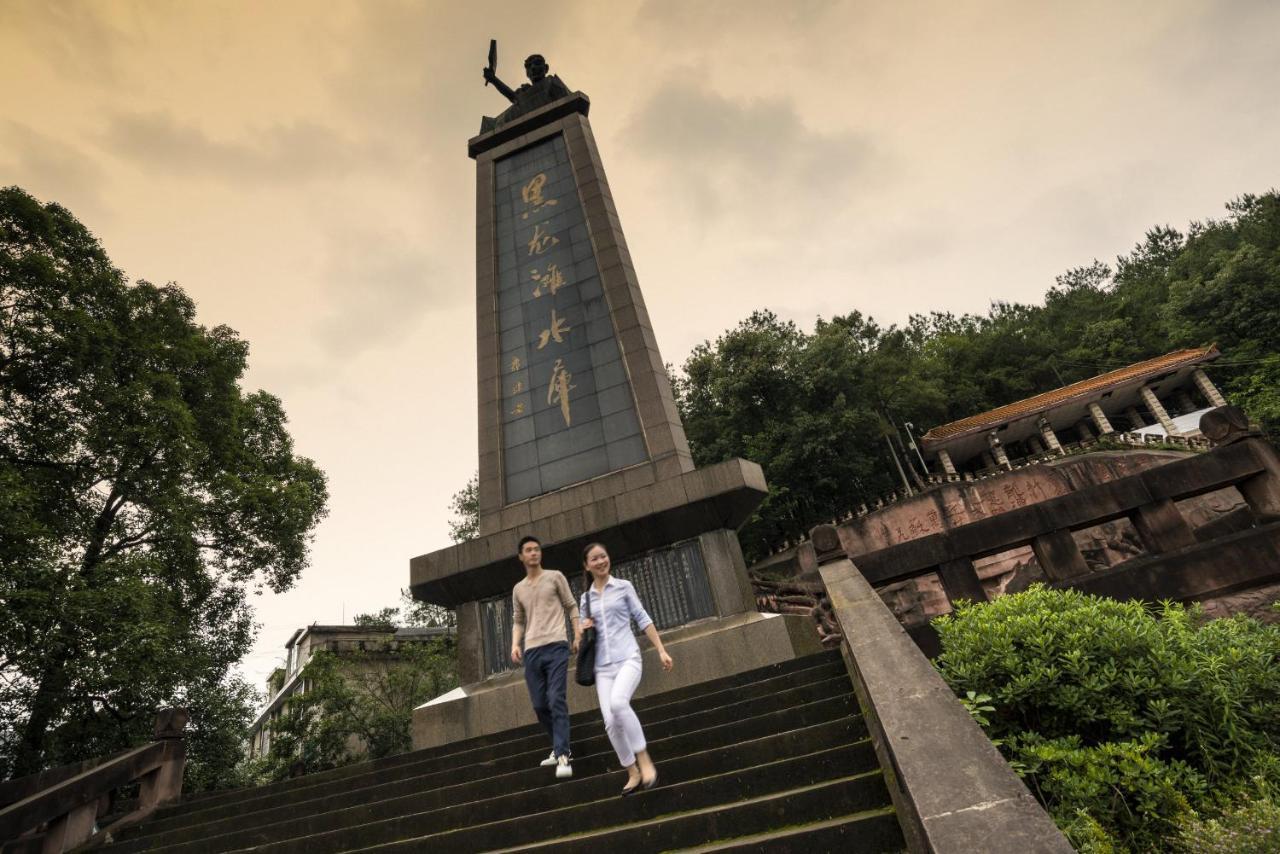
702, 651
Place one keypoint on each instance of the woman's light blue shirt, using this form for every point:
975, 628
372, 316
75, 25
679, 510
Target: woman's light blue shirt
612, 613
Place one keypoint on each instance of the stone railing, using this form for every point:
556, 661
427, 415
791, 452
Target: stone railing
952, 790
58, 810
1104, 442
1175, 563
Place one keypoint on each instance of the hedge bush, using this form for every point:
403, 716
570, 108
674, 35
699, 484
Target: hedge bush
1122, 717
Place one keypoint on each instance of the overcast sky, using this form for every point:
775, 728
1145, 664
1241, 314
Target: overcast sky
300, 169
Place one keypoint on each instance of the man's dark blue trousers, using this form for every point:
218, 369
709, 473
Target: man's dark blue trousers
546, 668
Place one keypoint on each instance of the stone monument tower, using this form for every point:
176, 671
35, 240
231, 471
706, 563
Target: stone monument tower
580, 438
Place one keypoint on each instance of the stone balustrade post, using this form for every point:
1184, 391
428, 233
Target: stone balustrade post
1162, 527
1058, 555
960, 581
164, 784
1227, 425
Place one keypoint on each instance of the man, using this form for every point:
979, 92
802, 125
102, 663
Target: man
539, 603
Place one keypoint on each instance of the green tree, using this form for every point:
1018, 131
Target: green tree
409, 613
143, 493
823, 412
820, 412
465, 507
215, 736
358, 705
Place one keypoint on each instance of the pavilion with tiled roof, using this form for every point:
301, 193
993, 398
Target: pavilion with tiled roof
1154, 396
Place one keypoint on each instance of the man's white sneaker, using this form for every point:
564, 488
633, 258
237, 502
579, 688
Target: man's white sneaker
563, 769
550, 760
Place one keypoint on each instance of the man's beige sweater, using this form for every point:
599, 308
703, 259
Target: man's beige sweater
539, 608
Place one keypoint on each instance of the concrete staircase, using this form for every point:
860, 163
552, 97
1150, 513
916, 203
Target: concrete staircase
775, 759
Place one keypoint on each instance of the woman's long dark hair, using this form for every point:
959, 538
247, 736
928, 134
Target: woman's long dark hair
586, 573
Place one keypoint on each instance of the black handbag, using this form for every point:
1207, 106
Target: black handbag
585, 671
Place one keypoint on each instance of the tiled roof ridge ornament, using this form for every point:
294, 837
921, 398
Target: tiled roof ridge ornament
542, 88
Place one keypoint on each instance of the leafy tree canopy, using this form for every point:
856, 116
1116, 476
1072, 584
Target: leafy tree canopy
464, 507
408, 613
825, 412
357, 705
143, 493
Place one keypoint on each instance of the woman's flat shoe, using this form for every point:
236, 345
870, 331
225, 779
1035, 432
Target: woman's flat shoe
651, 782
630, 790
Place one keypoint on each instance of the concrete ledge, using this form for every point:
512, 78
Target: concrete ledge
953, 791
644, 517
574, 102
702, 651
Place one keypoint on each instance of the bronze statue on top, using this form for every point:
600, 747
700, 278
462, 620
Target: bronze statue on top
541, 89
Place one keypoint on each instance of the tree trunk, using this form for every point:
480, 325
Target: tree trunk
50, 699
48, 703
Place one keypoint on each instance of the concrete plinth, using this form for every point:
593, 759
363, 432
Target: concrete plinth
702, 651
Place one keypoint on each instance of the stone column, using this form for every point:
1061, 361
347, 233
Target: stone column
1100, 420
988, 461
1208, 389
1036, 446
1157, 409
1184, 400
1083, 431
997, 451
1050, 438
727, 573
1135, 418
945, 459
470, 644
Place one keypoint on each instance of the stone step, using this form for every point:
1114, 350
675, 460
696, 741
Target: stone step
775, 695
666, 818
829, 769
867, 831
511, 795
724, 734
750, 683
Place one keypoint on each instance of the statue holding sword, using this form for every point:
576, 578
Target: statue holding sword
542, 88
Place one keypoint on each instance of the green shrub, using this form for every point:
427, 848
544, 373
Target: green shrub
1124, 718
1252, 826
1119, 788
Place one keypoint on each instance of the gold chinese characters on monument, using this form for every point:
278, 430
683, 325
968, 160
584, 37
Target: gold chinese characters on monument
554, 332
558, 390
532, 195
551, 279
546, 280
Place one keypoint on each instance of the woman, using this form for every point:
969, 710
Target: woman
610, 604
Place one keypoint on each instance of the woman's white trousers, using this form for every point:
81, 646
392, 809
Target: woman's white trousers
615, 683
